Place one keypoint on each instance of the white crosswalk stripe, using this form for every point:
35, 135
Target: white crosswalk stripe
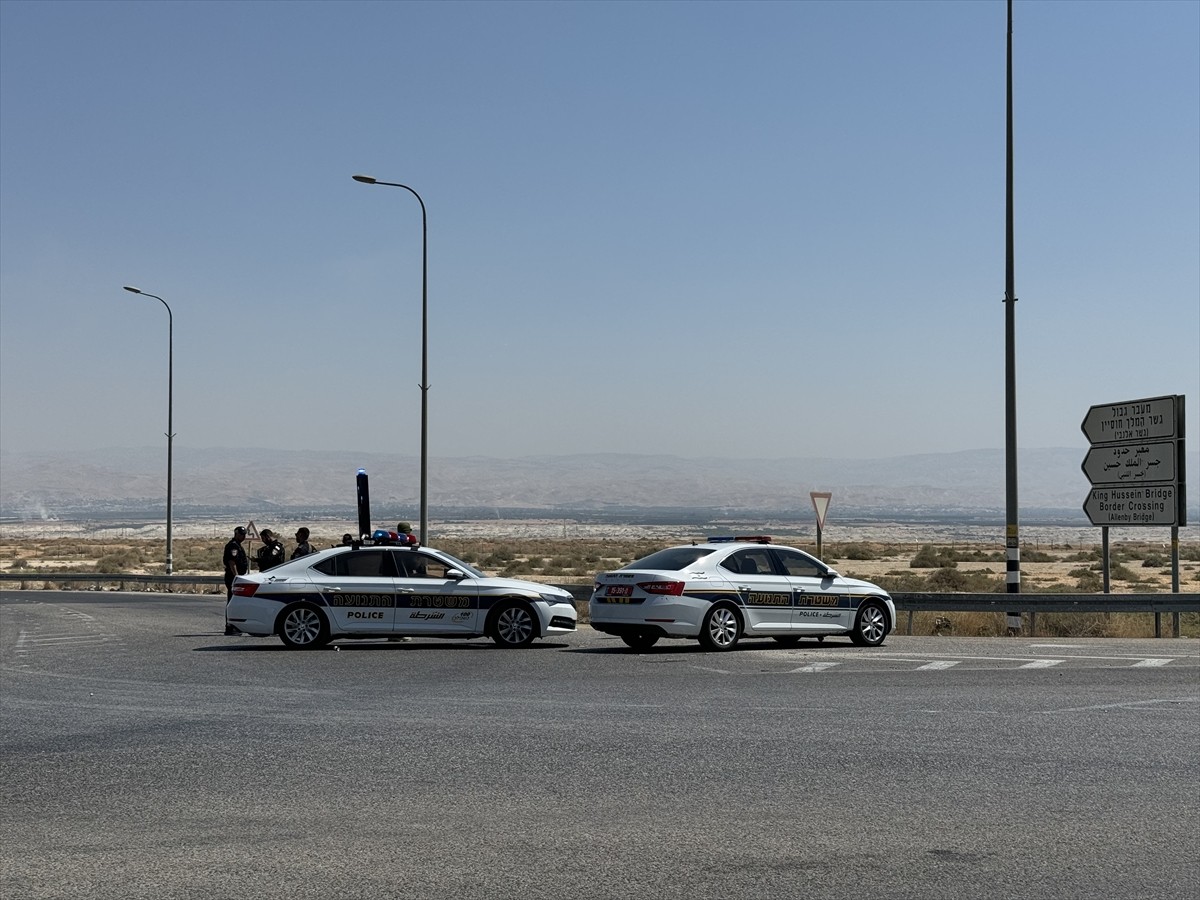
1042, 663
939, 664
1151, 662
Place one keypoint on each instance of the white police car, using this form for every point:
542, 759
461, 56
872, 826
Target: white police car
729, 588
381, 591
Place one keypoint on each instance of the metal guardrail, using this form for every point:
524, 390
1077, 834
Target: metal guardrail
1031, 604
96, 579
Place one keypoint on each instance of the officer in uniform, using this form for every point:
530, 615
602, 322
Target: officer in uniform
303, 547
271, 553
236, 564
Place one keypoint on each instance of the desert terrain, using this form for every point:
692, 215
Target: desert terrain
898, 557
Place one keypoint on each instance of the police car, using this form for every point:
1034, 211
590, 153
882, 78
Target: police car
725, 589
382, 590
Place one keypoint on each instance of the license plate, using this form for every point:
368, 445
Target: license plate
619, 590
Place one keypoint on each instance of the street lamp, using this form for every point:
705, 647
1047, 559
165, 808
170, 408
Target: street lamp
170, 405
367, 179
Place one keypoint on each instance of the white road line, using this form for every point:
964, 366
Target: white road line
1132, 704
1054, 646
938, 664
815, 667
1151, 662
1042, 664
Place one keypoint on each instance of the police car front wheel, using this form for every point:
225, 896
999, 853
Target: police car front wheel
871, 625
514, 625
301, 627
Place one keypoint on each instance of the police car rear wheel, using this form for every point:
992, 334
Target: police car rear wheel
721, 629
301, 627
513, 625
640, 641
870, 626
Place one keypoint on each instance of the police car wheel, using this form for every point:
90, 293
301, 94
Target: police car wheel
721, 628
513, 625
640, 641
787, 640
301, 627
870, 625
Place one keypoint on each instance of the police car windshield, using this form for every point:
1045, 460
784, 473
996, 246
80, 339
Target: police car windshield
671, 560
466, 567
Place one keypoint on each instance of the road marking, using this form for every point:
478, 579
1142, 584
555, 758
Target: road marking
1131, 704
1151, 662
1042, 663
814, 667
938, 664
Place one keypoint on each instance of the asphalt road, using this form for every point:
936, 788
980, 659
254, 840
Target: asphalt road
144, 755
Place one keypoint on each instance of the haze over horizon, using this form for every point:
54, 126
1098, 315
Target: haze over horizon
722, 230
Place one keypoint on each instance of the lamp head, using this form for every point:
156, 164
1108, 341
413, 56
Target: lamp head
365, 179
132, 290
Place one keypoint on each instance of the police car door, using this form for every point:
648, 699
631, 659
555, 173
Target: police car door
817, 604
766, 596
359, 589
429, 601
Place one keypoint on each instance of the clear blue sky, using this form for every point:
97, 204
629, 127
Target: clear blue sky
704, 229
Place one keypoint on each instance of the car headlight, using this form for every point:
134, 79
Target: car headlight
555, 598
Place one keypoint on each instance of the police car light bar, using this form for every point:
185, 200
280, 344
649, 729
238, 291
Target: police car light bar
382, 537
741, 539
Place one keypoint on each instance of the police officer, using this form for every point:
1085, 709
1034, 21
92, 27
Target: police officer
236, 564
271, 553
303, 547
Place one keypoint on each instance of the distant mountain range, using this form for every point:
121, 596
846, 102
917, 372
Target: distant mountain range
605, 486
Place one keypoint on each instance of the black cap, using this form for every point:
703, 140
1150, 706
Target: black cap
239, 530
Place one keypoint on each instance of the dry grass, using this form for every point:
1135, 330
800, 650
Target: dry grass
1136, 567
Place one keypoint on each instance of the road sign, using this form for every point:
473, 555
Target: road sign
1145, 504
1131, 463
820, 502
1135, 463
1132, 420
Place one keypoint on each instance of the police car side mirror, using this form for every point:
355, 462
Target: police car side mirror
456, 574
830, 573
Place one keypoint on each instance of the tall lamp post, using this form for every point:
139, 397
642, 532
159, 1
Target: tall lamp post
367, 179
170, 406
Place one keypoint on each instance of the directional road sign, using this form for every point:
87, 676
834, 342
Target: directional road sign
1135, 463
1145, 504
1132, 420
1131, 463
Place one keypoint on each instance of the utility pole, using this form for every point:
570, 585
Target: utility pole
1012, 541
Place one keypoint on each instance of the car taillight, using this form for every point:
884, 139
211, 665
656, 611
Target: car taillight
246, 588
667, 588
